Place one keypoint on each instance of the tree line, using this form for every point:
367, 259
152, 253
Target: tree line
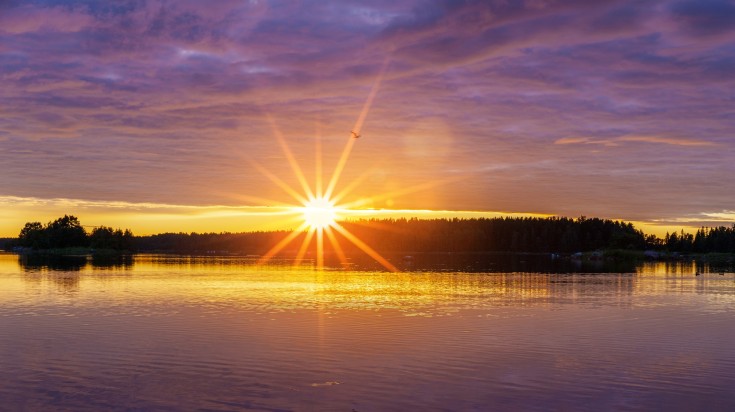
522, 235
505, 234
556, 235
717, 239
68, 232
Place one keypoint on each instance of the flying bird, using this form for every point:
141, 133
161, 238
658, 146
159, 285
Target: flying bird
355, 135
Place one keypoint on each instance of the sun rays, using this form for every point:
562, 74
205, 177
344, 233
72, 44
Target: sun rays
317, 208
318, 213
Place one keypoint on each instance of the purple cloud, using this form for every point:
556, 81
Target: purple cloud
145, 95
705, 17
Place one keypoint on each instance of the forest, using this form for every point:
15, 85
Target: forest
520, 235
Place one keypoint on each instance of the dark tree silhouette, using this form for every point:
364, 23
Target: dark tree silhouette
33, 235
66, 232
108, 238
518, 235
533, 235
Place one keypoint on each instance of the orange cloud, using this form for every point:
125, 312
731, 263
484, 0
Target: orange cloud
667, 140
585, 140
645, 139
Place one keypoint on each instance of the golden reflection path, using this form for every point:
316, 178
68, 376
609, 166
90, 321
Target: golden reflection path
243, 282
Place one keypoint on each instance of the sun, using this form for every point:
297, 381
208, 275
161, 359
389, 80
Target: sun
322, 209
320, 213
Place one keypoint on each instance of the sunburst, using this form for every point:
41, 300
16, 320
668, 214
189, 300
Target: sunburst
317, 207
320, 217
320, 209
320, 213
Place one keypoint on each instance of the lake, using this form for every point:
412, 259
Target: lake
223, 333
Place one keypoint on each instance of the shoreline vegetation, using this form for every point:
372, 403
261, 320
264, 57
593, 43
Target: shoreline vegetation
559, 237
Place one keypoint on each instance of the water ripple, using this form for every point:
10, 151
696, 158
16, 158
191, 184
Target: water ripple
185, 334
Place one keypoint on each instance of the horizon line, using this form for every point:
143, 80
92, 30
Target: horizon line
143, 215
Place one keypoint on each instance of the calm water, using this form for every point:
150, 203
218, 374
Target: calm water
215, 334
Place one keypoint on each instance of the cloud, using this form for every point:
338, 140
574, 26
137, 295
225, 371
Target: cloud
585, 140
705, 17
30, 19
155, 101
74, 204
722, 216
644, 139
667, 140
697, 220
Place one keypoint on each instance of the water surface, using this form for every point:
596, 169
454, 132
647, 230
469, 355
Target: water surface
188, 333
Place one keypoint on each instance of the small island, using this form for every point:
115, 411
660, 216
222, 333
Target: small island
67, 236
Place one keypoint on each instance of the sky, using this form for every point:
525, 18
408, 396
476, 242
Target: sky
182, 115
